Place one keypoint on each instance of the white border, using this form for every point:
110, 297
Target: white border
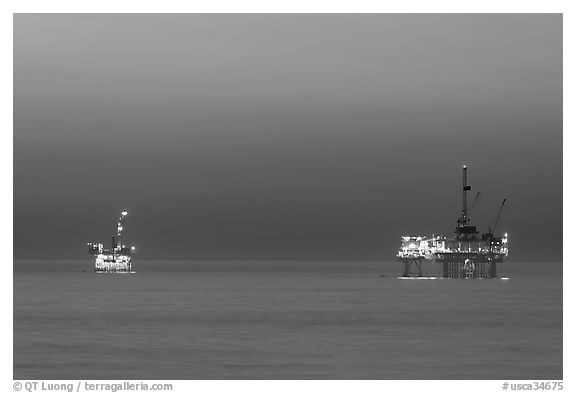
244, 6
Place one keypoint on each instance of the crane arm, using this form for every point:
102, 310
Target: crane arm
498, 215
476, 199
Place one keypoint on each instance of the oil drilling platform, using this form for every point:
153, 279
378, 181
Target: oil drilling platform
466, 255
118, 259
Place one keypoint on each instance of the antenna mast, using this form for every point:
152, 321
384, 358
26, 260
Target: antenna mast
465, 188
120, 226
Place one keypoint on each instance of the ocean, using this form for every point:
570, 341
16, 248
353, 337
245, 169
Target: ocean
284, 320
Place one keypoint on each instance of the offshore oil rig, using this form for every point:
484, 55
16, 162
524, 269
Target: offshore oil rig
118, 259
466, 255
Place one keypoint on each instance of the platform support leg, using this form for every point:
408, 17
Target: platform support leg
493, 270
406, 268
419, 266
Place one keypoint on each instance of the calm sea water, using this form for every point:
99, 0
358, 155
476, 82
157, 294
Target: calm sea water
283, 320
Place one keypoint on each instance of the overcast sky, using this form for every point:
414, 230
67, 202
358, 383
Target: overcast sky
284, 136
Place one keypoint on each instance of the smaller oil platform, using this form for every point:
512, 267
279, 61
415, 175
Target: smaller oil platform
466, 255
117, 259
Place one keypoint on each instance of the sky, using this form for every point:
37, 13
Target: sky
284, 136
